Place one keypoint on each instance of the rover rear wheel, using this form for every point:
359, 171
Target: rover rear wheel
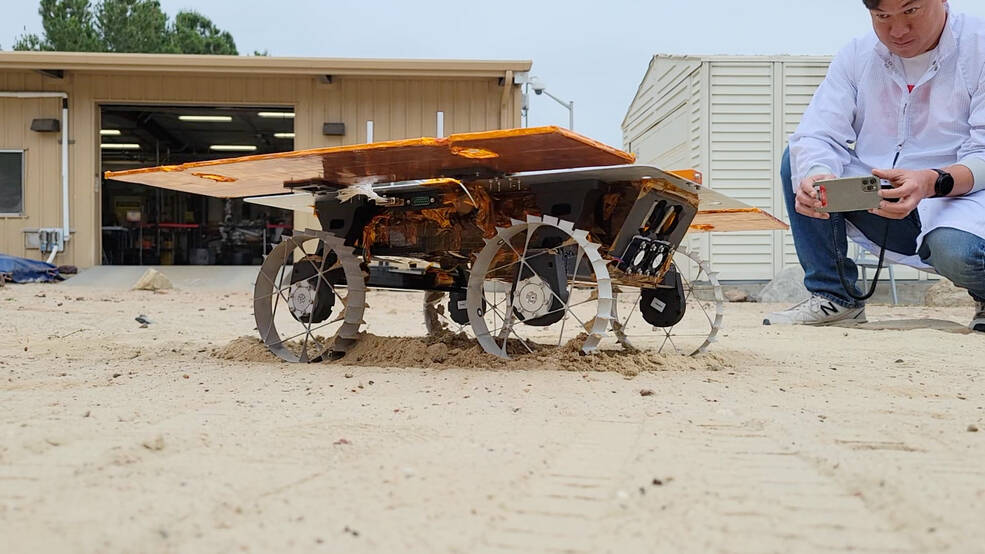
703, 304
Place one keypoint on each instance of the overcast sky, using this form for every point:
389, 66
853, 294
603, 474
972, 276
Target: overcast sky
593, 52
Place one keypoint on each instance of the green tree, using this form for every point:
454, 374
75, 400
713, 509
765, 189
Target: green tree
132, 26
68, 26
124, 26
193, 33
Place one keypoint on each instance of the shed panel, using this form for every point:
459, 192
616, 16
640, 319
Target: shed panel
741, 118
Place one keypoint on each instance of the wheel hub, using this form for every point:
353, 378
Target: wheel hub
301, 300
533, 298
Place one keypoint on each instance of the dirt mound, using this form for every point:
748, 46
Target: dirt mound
451, 350
245, 349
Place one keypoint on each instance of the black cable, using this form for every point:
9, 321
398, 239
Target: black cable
841, 263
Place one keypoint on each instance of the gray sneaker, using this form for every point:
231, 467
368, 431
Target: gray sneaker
978, 322
816, 310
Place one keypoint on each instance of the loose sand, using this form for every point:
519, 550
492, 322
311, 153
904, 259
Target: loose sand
187, 436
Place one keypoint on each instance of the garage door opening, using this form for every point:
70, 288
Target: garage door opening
143, 225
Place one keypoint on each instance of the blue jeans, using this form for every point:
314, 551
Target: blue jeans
957, 255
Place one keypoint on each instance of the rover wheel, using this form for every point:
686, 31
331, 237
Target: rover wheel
536, 284
309, 297
704, 306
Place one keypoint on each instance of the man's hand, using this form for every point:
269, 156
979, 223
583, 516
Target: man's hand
910, 186
806, 201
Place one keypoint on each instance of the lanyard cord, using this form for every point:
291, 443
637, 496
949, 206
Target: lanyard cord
841, 260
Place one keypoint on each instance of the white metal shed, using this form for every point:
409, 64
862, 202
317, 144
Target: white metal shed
728, 117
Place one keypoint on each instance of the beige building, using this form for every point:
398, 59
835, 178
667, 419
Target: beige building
130, 110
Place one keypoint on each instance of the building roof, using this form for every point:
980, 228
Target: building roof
257, 65
718, 58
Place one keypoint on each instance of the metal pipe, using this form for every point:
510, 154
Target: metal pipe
570, 105
66, 236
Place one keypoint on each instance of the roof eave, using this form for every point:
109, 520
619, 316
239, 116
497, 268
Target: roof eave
257, 65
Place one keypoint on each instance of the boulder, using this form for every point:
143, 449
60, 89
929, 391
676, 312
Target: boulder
944, 294
786, 288
153, 280
737, 295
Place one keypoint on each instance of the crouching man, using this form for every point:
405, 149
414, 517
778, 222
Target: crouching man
906, 104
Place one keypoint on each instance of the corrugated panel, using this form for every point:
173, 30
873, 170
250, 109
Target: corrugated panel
741, 119
799, 83
42, 193
698, 140
659, 95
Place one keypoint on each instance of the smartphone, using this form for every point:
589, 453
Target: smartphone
848, 195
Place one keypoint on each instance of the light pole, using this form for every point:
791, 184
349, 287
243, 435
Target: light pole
539, 88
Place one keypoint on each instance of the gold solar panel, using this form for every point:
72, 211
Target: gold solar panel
499, 152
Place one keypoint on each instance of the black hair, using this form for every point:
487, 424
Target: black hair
872, 4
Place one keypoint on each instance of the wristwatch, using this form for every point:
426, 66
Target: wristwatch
944, 184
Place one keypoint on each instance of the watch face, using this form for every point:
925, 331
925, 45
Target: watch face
944, 184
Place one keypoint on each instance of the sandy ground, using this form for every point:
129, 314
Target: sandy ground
115, 438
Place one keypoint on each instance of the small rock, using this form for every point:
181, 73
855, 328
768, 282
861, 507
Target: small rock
899, 361
944, 294
657, 482
646, 392
142, 319
156, 445
348, 376
115, 375
153, 280
787, 287
972, 428
438, 352
342, 441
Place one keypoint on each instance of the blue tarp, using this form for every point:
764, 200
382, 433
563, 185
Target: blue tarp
23, 270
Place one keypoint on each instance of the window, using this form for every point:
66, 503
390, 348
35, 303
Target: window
11, 182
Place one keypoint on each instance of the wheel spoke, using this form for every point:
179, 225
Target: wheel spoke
312, 330
314, 300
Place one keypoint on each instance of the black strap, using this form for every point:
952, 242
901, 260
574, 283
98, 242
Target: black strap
840, 259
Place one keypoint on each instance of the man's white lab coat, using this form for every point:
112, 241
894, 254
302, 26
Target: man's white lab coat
863, 117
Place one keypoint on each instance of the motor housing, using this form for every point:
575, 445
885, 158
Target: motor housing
665, 306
